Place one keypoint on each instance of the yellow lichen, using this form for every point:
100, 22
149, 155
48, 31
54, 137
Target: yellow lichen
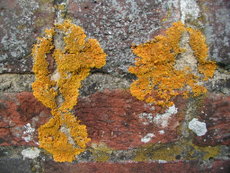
101, 152
158, 79
184, 149
63, 135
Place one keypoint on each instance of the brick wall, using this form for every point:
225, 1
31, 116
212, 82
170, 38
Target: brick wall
127, 135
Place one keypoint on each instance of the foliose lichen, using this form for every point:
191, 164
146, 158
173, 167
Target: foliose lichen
159, 81
63, 135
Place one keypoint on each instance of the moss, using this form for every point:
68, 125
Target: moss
184, 149
101, 152
144, 153
63, 135
158, 81
166, 152
206, 152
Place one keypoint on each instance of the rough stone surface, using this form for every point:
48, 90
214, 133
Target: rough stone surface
21, 22
15, 82
216, 19
131, 22
220, 83
216, 114
15, 165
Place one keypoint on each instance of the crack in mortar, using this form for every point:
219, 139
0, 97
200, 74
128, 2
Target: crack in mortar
186, 59
58, 41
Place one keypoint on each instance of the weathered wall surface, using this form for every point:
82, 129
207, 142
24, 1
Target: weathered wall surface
127, 135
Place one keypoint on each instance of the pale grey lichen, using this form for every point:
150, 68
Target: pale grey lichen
28, 133
30, 153
197, 127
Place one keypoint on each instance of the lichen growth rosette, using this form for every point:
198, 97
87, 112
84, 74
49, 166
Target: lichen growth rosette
58, 89
158, 81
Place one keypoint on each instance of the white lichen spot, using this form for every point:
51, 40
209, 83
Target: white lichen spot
28, 133
162, 161
30, 153
197, 127
161, 120
147, 138
161, 132
189, 9
146, 118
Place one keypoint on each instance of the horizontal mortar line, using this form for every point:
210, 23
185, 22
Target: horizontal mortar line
24, 73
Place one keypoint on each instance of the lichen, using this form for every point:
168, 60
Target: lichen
183, 149
167, 152
206, 151
158, 80
101, 152
63, 135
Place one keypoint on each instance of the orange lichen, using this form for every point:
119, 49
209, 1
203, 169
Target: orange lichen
200, 48
158, 79
63, 135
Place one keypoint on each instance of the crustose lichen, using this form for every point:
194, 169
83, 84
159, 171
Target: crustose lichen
158, 78
63, 135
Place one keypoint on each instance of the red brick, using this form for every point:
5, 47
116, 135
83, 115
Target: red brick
16, 110
113, 117
216, 114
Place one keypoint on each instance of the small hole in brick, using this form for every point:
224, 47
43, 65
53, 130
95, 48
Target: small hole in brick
178, 157
210, 158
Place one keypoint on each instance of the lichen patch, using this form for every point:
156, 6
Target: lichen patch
197, 127
58, 89
28, 133
30, 153
166, 67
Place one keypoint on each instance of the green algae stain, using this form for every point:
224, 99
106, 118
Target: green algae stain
184, 150
166, 152
101, 152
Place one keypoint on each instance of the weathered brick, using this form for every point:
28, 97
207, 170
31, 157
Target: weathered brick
16, 111
20, 23
216, 114
131, 22
119, 120
216, 19
113, 117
